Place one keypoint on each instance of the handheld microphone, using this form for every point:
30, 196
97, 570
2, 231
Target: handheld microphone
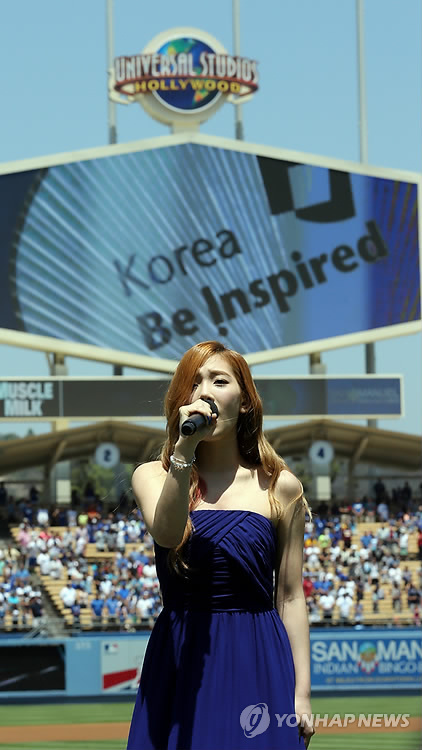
196, 421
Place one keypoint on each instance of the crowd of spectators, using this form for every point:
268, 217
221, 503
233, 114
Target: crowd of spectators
20, 597
122, 589
339, 573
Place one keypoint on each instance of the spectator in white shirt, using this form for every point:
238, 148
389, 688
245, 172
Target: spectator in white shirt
327, 602
56, 569
345, 604
404, 543
54, 551
366, 567
395, 574
350, 588
384, 577
373, 544
44, 562
133, 531
73, 571
68, 595
383, 533
42, 517
67, 539
374, 573
41, 544
144, 605
147, 583
335, 553
312, 554
80, 545
121, 540
105, 587
149, 570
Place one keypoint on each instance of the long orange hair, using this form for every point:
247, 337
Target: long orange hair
253, 445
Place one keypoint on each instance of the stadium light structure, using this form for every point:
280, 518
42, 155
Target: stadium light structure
363, 146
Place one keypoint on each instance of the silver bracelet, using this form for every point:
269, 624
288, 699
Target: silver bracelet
179, 464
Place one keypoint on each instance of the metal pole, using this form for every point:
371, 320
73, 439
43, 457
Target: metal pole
112, 128
363, 121
363, 143
239, 133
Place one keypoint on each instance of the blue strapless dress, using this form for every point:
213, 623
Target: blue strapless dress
218, 666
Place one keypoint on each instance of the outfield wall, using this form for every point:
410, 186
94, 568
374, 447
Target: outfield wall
342, 659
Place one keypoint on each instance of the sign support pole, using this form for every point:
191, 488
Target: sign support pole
57, 475
112, 127
112, 121
239, 131
363, 142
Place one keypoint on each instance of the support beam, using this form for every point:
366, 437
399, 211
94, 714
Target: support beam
56, 455
360, 448
9, 337
354, 458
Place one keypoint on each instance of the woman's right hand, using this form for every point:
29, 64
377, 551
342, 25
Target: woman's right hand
197, 407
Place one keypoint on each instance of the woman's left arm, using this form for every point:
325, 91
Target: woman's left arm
289, 595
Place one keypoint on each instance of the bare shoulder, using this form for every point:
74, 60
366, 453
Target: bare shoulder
150, 470
147, 480
147, 484
288, 487
290, 528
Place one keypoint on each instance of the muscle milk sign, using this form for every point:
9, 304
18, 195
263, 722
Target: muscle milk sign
25, 398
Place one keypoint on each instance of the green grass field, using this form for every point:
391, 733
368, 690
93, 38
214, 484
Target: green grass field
116, 712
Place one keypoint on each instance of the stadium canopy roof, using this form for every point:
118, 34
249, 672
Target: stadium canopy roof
136, 444
360, 444
139, 443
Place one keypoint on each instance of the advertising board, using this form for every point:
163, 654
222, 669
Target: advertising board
366, 660
191, 238
371, 660
283, 397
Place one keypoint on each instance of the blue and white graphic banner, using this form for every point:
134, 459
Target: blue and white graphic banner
152, 250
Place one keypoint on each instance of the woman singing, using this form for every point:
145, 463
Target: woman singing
227, 666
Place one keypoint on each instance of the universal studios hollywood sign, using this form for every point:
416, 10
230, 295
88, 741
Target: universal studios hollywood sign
183, 76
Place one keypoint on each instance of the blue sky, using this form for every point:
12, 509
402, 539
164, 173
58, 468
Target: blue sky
53, 60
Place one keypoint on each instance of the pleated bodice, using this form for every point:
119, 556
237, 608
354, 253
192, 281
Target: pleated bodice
231, 557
